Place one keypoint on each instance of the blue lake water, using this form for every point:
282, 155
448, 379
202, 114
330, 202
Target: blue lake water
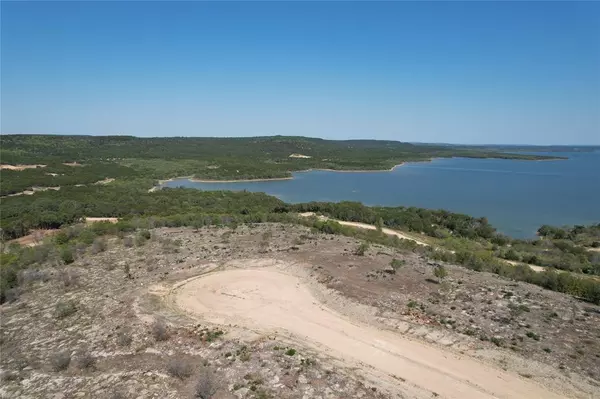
516, 196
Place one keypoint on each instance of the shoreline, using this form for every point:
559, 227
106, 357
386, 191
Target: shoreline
200, 180
193, 179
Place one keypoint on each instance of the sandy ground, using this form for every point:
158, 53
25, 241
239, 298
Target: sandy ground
105, 181
32, 191
35, 238
300, 156
93, 220
268, 301
21, 167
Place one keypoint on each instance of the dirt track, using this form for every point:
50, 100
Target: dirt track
267, 300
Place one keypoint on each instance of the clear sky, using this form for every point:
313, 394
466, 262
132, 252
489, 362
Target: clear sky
456, 72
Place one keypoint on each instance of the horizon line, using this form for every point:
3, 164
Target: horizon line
309, 137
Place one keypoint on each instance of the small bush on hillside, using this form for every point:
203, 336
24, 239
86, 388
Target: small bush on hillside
30, 276
68, 277
60, 360
290, 352
159, 330
179, 367
86, 361
128, 242
440, 272
64, 309
99, 245
362, 249
206, 385
124, 338
66, 254
397, 263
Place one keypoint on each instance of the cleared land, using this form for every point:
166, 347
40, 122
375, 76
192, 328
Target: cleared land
293, 314
267, 300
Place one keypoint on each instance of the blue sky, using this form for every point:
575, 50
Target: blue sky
457, 72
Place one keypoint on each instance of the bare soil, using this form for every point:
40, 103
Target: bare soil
322, 316
21, 167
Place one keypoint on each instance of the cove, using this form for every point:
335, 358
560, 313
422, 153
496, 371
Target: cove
516, 196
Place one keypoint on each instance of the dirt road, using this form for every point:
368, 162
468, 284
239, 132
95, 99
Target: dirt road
267, 300
368, 227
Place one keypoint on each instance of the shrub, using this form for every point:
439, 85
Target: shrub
206, 386
179, 367
66, 254
68, 277
362, 249
29, 276
128, 242
290, 352
99, 245
60, 360
86, 361
533, 335
141, 237
440, 272
397, 263
159, 330
64, 309
124, 338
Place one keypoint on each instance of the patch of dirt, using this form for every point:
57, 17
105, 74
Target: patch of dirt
72, 164
299, 156
268, 300
20, 167
105, 181
90, 220
32, 191
109, 306
36, 237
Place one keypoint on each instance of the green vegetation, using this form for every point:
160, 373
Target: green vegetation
290, 352
126, 158
440, 272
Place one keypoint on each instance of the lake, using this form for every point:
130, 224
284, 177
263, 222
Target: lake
516, 196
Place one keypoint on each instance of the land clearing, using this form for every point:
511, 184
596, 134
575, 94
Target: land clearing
267, 300
36, 237
300, 156
21, 167
311, 318
90, 220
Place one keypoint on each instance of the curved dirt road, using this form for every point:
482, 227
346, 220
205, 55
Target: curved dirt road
267, 300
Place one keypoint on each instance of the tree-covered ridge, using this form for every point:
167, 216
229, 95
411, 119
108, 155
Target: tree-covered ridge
48, 148
125, 157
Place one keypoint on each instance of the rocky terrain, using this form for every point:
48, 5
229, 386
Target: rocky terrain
108, 325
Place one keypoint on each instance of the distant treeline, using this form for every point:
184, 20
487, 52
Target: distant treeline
211, 158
